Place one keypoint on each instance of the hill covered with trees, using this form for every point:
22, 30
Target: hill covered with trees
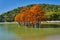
52, 12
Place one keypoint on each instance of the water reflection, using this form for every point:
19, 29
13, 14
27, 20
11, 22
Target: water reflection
53, 37
13, 32
50, 26
5, 34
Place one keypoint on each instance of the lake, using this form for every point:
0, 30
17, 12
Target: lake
6, 34
13, 32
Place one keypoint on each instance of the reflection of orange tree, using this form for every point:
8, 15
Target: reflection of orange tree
34, 15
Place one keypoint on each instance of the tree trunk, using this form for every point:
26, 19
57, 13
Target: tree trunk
33, 25
19, 23
38, 25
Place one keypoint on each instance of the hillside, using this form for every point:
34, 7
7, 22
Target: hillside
52, 12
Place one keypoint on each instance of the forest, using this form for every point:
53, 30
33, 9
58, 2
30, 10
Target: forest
52, 13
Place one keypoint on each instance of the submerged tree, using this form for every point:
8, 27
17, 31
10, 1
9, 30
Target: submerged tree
33, 16
37, 15
20, 18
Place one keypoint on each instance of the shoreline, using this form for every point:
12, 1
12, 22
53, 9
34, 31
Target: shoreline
43, 22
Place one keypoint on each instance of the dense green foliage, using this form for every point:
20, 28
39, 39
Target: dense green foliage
52, 12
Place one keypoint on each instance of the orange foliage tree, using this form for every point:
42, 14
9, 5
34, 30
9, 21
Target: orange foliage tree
33, 15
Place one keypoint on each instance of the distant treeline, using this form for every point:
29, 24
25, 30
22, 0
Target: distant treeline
52, 12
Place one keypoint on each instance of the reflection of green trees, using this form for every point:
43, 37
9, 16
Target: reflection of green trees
32, 31
51, 12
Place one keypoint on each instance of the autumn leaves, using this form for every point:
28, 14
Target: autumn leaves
32, 15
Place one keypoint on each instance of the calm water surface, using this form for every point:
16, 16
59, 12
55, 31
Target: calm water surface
6, 34
7, 31
53, 37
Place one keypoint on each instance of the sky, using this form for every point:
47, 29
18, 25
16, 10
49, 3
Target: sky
7, 5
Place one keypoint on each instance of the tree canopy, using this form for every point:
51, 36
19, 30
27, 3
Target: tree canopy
34, 14
49, 10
